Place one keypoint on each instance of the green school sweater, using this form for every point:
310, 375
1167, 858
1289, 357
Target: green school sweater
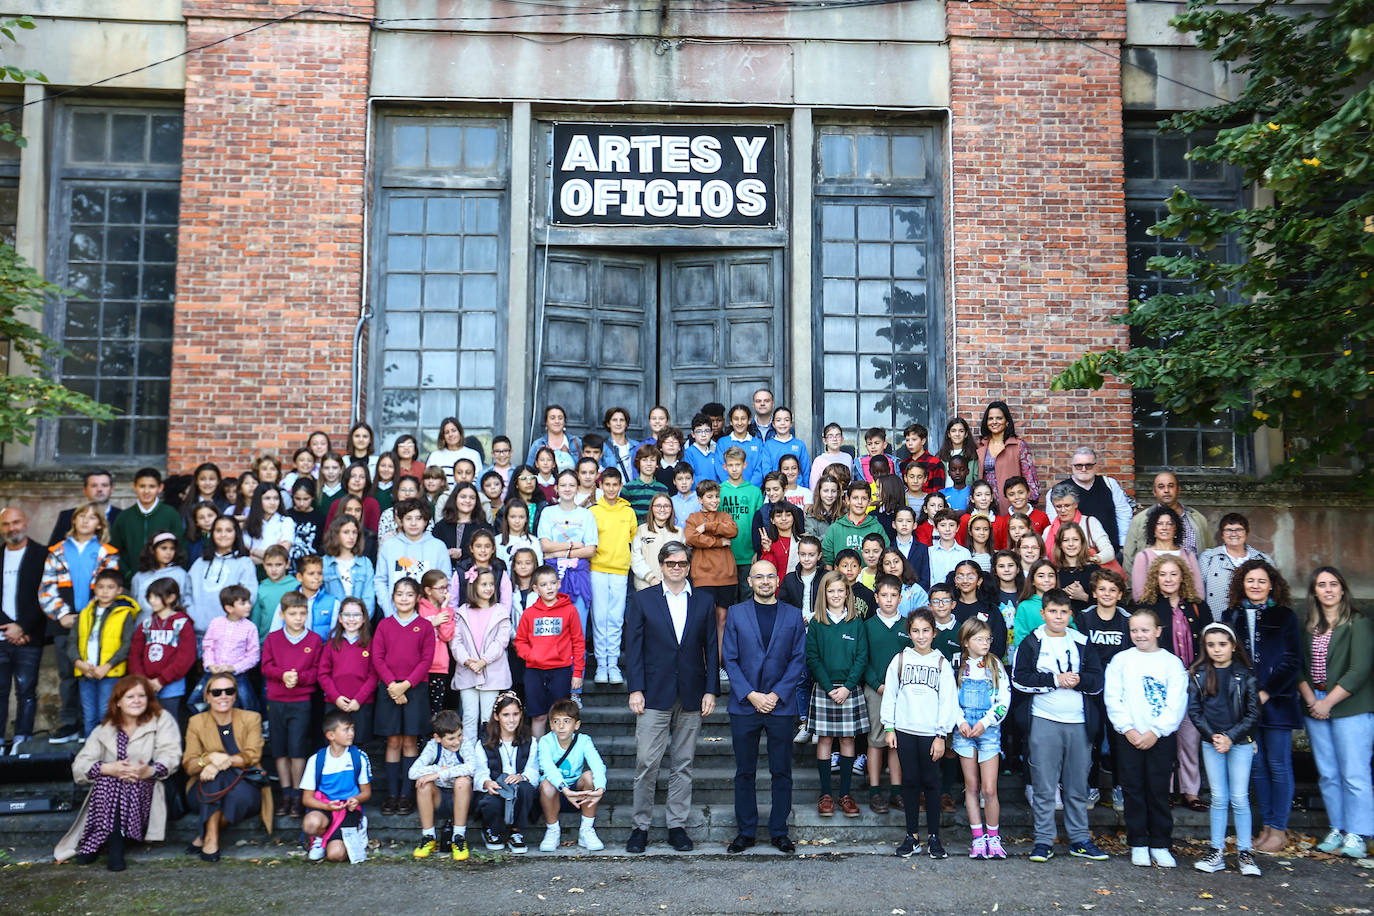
741, 502
946, 641
844, 534
132, 529
837, 653
884, 643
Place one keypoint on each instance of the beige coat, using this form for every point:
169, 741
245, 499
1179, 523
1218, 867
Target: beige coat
157, 741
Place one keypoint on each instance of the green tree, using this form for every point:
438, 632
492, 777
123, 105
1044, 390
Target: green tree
1281, 336
25, 399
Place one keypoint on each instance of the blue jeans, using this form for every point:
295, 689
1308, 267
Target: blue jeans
1342, 748
95, 698
1272, 776
745, 731
20, 665
1229, 776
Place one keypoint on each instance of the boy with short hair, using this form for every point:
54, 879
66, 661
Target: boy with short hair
905, 541
149, 515
957, 493
946, 640
740, 500
501, 458
915, 437
231, 644
714, 412
1017, 492
290, 669
945, 551
615, 526
411, 553
711, 535
1061, 671
641, 491
875, 441
700, 450
848, 530
549, 639
276, 560
887, 636
685, 499
1107, 626
100, 644
849, 564
334, 788
322, 607
593, 446
574, 777
443, 780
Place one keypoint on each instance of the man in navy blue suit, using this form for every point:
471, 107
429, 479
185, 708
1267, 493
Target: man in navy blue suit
673, 676
764, 656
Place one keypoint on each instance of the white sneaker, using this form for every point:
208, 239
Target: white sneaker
1354, 846
860, 763
1161, 857
316, 849
1334, 841
724, 678
17, 745
616, 676
1058, 798
552, 836
1118, 799
1094, 796
603, 675
1030, 795
834, 761
1140, 855
803, 734
587, 838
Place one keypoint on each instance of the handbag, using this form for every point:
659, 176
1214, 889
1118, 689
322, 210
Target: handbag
256, 776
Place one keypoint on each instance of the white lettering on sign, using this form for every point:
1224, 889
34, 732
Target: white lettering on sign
749, 149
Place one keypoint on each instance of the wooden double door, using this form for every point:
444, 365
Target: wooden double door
634, 329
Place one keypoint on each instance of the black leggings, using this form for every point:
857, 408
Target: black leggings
920, 776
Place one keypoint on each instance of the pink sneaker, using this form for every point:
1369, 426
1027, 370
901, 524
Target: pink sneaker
994, 847
979, 849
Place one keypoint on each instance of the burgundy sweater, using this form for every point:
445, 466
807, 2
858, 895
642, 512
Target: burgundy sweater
403, 652
280, 655
163, 650
347, 672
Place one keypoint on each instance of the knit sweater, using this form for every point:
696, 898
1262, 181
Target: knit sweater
132, 528
346, 671
280, 655
884, 642
403, 650
837, 653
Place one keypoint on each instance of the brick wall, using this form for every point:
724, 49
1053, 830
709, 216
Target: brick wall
270, 262
1038, 254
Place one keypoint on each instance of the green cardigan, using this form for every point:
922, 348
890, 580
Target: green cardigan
883, 645
1348, 663
836, 653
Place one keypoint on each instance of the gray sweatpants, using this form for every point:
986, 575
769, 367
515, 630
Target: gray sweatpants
1059, 754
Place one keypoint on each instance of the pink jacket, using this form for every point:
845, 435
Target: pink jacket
489, 646
443, 632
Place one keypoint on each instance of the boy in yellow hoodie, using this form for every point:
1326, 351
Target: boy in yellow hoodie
99, 651
615, 526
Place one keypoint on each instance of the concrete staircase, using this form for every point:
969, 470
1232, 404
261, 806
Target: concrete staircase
608, 720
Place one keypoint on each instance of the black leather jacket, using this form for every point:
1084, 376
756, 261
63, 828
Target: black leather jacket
1245, 703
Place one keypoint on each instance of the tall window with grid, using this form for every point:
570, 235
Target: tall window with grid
440, 276
877, 278
113, 243
1155, 165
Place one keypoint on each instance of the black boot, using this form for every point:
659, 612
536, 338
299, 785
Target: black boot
114, 851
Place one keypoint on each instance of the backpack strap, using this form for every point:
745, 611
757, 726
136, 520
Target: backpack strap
319, 766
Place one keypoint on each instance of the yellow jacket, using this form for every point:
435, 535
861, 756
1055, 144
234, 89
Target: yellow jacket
615, 529
116, 635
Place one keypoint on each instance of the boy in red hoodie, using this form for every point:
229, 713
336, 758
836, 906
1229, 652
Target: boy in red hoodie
551, 642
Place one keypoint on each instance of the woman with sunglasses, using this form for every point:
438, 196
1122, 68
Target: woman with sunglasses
221, 743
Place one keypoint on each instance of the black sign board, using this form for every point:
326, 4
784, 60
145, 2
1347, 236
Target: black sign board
664, 175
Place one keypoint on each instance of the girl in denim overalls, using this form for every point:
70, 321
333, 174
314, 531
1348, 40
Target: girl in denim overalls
984, 698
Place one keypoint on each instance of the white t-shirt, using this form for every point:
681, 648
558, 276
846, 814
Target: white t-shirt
1061, 704
7, 601
340, 764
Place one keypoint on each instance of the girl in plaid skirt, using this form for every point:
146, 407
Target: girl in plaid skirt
836, 654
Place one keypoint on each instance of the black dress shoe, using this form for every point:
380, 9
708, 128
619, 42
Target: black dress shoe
740, 843
638, 840
679, 840
209, 856
86, 858
783, 844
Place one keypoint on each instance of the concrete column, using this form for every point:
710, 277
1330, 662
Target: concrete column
519, 342
799, 337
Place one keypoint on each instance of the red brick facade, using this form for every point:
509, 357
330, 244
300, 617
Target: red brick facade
1038, 253
270, 261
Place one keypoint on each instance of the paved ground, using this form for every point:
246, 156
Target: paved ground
758, 882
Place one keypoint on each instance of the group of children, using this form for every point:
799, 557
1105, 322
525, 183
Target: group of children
931, 618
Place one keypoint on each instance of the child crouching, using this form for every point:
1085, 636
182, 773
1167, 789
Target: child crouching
443, 778
507, 776
334, 788
574, 777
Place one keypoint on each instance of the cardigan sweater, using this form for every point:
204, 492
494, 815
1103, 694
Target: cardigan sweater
1348, 662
